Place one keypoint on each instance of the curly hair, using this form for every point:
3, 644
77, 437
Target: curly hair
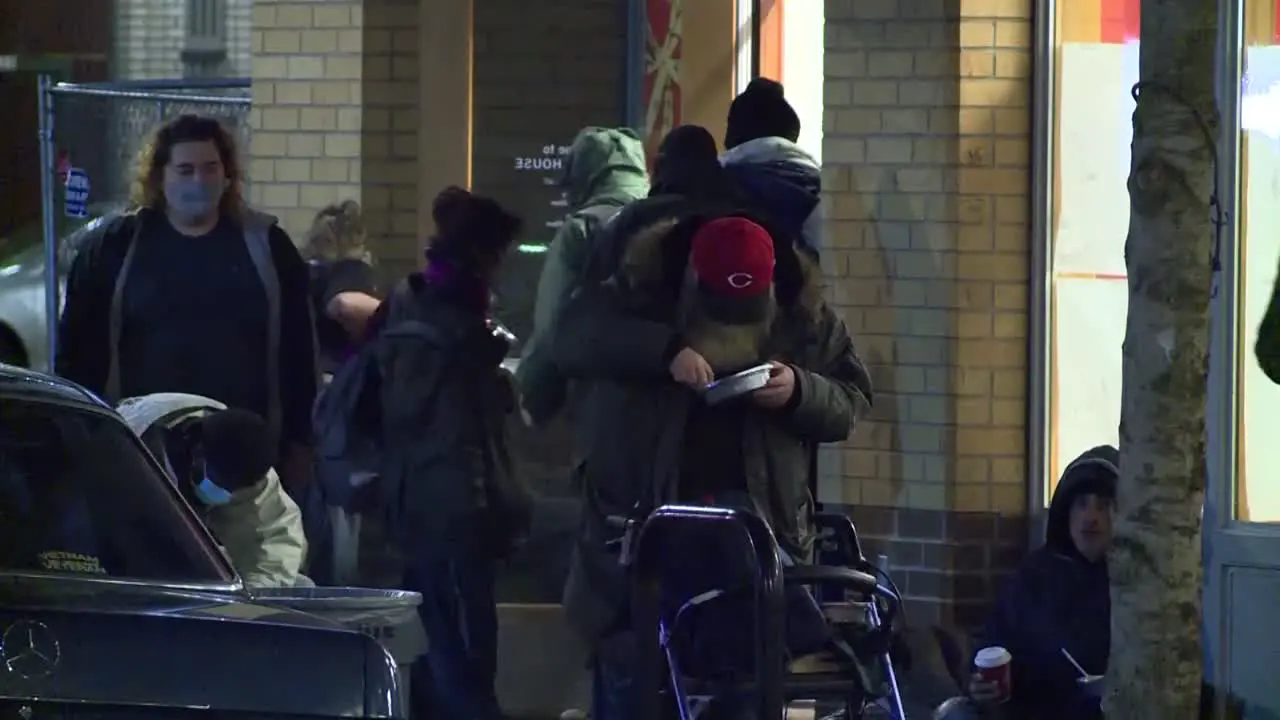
148, 184
337, 233
472, 231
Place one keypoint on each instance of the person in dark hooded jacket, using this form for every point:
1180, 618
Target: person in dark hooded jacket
1059, 599
445, 471
775, 174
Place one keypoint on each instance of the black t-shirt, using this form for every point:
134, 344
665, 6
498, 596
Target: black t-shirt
711, 463
195, 318
328, 280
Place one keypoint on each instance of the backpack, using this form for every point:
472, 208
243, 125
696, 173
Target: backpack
596, 218
346, 417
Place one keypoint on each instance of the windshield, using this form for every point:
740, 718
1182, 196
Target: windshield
79, 496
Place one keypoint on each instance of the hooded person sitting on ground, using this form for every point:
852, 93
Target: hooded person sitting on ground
777, 176
229, 480
604, 171
697, 298
1059, 600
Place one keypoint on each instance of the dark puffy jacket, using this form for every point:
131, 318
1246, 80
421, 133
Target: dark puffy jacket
1058, 600
779, 179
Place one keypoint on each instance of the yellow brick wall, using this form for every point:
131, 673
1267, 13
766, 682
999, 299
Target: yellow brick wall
335, 114
926, 130
389, 151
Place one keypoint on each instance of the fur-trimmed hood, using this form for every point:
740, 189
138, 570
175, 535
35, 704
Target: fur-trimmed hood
657, 254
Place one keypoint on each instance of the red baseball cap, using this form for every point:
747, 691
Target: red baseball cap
733, 256
732, 259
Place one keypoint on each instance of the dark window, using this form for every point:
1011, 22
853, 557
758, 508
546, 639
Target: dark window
544, 71
79, 495
204, 49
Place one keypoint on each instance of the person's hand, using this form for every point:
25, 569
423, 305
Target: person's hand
982, 691
777, 392
691, 369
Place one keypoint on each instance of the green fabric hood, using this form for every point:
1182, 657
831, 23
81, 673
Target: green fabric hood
605, 166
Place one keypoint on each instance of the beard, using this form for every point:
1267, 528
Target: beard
727, 347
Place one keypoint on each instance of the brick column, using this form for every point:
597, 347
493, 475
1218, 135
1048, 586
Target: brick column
335, 114
926, 169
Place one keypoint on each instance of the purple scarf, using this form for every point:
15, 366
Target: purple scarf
465, 287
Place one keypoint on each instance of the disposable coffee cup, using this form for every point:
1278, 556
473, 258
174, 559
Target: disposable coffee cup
993, 666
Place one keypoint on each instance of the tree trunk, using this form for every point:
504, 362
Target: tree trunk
1155, 665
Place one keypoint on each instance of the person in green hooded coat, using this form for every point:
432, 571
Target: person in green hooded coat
604, 171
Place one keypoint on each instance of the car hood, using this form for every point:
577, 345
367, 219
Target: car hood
26, 263
122, 644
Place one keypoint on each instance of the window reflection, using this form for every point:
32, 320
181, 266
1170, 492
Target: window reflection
539, 75
1257, 495
1096, 67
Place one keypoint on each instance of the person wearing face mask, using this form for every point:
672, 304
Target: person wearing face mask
193, 292
1059, 600
228, 479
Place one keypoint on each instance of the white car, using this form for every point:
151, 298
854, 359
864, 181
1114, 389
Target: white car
24, 333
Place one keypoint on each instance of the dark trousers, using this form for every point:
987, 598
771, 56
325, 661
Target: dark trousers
612, 680
455, 679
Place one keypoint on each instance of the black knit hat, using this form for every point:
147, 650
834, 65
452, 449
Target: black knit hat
761, 111
237, 448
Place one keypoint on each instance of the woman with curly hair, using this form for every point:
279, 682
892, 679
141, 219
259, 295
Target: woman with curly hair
193, 292
343, 287
452, 501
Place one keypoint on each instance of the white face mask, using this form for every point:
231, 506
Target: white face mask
212, 494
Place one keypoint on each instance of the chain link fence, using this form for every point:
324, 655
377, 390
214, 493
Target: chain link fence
100, 128
91, 135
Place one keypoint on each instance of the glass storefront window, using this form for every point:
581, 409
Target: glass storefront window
1258, 399
1096, 65
538, 78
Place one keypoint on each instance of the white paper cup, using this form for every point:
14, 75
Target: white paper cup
993, 666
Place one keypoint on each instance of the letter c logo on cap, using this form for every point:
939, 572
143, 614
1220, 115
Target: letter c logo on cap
740, 280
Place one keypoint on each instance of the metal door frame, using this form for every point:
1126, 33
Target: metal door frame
1226, 542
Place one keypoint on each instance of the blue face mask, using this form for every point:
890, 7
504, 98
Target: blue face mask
194, 198
212, 494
